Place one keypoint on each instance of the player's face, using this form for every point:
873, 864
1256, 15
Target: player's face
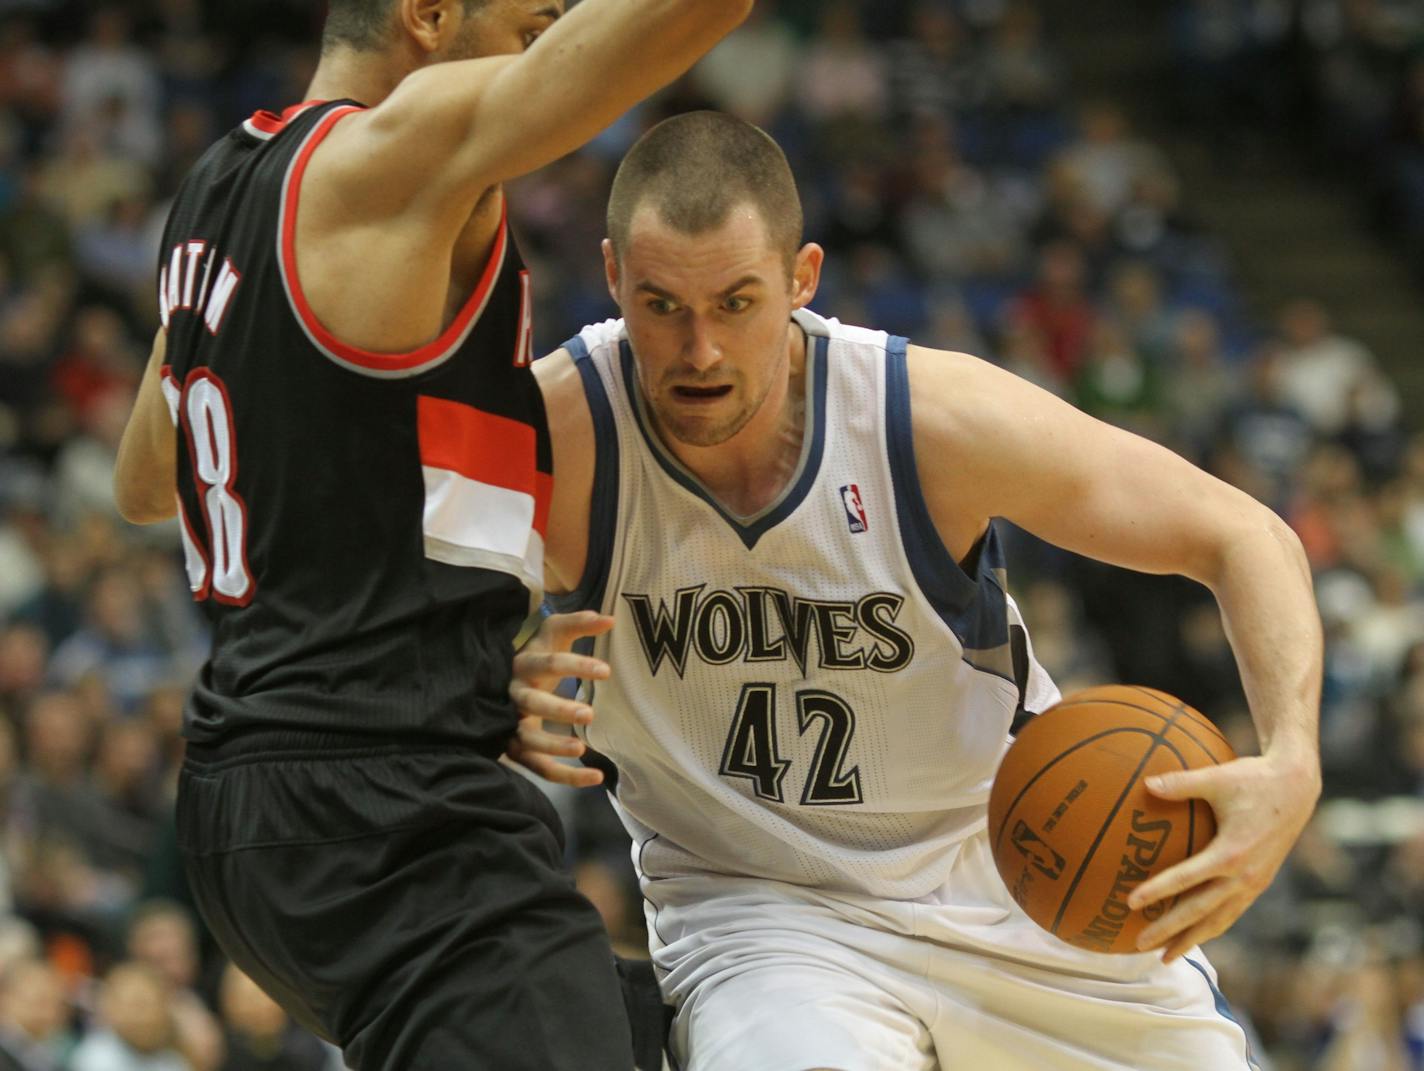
502, 27
708, 316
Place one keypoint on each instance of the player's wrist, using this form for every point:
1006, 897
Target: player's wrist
1296, 758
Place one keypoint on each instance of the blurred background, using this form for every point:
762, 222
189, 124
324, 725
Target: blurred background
1200, 219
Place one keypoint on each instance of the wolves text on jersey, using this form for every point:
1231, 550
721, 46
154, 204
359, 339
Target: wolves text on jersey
196, 278
763, 624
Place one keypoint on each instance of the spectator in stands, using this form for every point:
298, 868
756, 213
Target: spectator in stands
54, 791
57, 609
1134, 296
934, 69
1106, 162
136, 1031
35, 1016
958, 222
752, 72
1266, 431
162, 935
843, 77
1117, 384
113, 642
1321, 371
1021, 73
259, 1036
1365, 1029
1059, 308
111, 83
24, 654
1200, 384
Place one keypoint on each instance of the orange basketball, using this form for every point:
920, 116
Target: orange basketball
1073, 828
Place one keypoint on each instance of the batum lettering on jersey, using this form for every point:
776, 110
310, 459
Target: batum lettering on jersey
854, 508
197, 279
760, 624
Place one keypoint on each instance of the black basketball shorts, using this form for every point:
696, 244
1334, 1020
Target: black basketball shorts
407, 904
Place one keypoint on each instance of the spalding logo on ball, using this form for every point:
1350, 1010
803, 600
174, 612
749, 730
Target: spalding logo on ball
1073, 828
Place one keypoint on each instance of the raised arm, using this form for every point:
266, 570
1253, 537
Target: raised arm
1022, 454
145, 473
452, 130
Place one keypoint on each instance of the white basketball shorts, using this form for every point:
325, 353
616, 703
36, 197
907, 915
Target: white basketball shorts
774, 977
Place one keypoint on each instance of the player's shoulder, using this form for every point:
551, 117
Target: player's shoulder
959, 401
817, 326
938, 363
596, 338
559, 375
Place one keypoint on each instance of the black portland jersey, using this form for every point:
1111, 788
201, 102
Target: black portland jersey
364, 529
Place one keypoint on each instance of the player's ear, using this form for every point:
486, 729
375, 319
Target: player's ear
806, 274
430, 23
610, 269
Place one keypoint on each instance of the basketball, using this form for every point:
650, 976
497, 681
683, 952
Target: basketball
1073, 828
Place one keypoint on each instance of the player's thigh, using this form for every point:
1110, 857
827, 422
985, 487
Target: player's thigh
539, 994
1015, 1016
1014, 997
451, 937
795, 1013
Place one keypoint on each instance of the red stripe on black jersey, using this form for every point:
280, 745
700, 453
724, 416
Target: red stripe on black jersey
418, 360
271, 123
478, 445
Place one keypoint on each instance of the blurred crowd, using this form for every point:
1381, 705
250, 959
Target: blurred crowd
1343, 79
968, 198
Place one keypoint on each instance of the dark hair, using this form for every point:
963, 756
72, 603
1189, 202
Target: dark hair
695, 168
363, 24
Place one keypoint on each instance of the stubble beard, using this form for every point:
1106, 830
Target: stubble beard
694, 432
698, 432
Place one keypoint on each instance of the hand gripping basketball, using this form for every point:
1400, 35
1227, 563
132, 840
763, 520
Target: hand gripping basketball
1121, 821
1074, 830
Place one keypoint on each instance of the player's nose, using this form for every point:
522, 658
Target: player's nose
700, 348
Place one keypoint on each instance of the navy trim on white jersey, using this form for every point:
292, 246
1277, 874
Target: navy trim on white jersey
748, 529
974, 607
1223, 1008
603, 509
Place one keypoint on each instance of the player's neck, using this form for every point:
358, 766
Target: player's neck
349, 74
750, 471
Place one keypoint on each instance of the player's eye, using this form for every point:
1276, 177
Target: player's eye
660, 306
737, 304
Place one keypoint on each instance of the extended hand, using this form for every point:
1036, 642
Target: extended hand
1261, 805
538, 668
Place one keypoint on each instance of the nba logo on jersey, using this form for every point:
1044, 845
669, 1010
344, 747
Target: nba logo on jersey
855, 512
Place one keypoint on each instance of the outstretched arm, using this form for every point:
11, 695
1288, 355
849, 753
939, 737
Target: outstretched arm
1083, 485
452, 130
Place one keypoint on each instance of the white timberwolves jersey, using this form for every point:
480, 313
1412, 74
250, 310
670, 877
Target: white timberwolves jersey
817, 694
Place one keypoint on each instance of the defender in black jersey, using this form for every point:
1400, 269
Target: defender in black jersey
340, 396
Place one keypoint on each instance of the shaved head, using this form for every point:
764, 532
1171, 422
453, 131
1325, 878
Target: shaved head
693, 169
364, 25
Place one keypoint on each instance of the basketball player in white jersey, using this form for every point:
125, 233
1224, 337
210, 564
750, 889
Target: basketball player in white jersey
815, 664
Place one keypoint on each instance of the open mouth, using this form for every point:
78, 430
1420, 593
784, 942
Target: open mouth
702, 394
